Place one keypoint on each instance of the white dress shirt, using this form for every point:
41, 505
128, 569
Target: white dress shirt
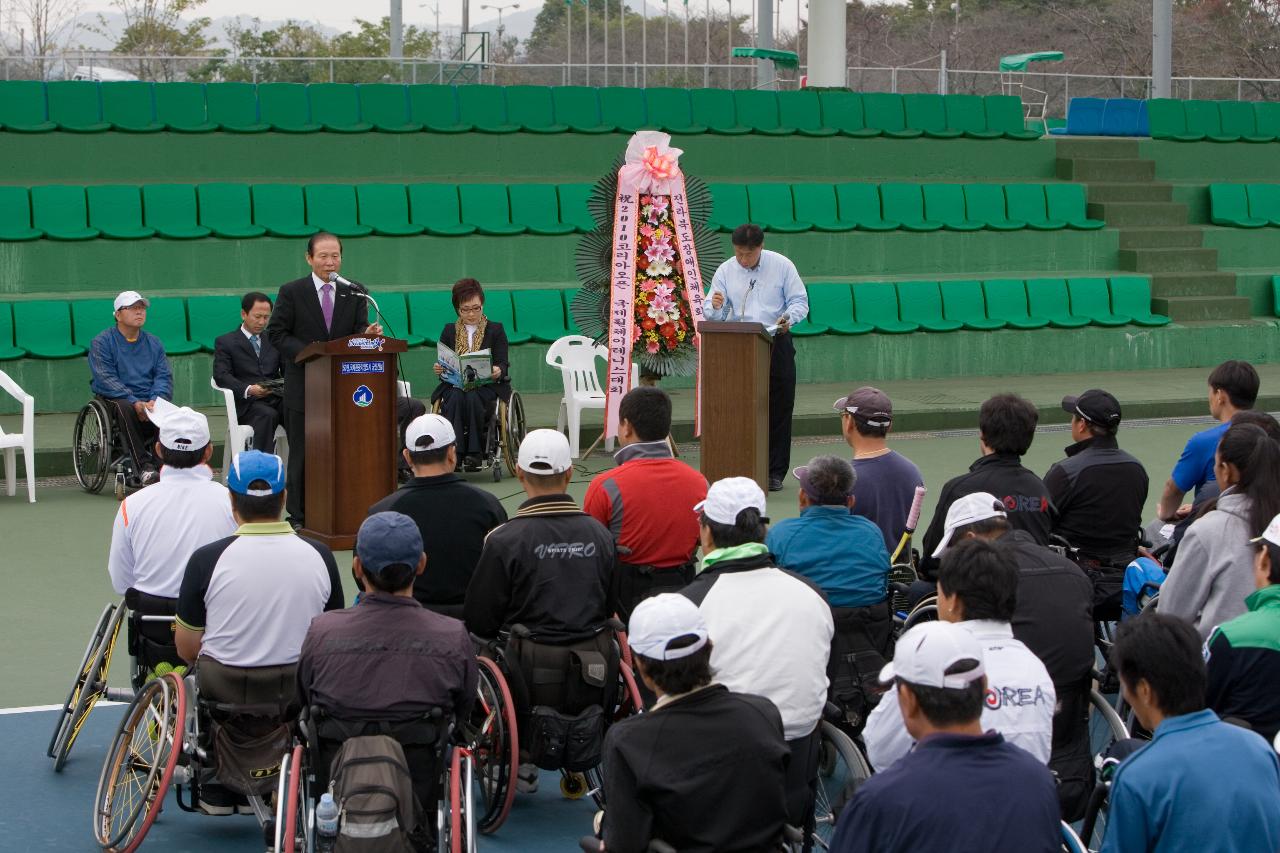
759, 295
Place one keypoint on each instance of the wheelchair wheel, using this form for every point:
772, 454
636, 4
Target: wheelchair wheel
89, 686
925, 611
293, 805
904, 574
91, 446
139, 767
461, 822
512, 431
631, 702
494, 743
1105, 725
841, 770
1071, 842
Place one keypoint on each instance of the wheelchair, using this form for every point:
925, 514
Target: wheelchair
842, 768
98, 449
501, 445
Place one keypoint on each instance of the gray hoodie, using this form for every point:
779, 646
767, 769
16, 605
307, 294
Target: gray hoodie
1213, 573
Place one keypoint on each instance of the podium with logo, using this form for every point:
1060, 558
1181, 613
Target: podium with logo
352, 439
735, 400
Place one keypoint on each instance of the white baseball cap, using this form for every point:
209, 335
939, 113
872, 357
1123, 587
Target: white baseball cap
429, 432
181, 428
969, 509
659, 620
925, 653
544, 451
730, 496
130, 297
1271, 534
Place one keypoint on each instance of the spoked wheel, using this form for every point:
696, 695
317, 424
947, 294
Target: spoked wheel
293, 805
513, 429
91, 447
904, 574
495, 747
1105, 725
841, 770
139, 767
89, 686
630, 702
462, 818
923, 612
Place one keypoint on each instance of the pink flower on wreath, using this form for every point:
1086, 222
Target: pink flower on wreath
660, 250
646, 230
665, 304
663, 289
652, 347
635, 333
660, 204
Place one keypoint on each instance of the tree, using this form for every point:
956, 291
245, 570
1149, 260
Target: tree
155, 29
50, 27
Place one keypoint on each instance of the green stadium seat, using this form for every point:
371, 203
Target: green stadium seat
807, 328
181, 108
669, 110
395, 317
772, 208
579, 108
280, 209
1131, 297
540, 314
1047, 297
435, 107
832, 306
487, 207
429, 312
171, 210
386, 107
758, 110
531, 108
61, 213
716, 109
7, 350
336, 108
1026, 203
574, 207
129, 106
498, 307
1275, 295
23, 108
435, 206
209, 317
1004, 114
1007, 301
1067, 202
816, 203
88, 318
1264, 202
43, 328
285, 107
1266, 116
929, 113
1090, 298
844, 112
1203, 118
568, 293
1229, 205
116, 211
904, 203
729, 207
968, 114
227, 211
860, 203
485, 109
945, 203
884, 111
801, 109
1168, 120
876, 304
15, 218
385, 209
536, 207
963, 302
167, 320
234, 107
622, 108
76, 106
919, 302
985, 203
332, 208
1239, 119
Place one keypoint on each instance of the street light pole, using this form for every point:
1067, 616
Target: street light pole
500, 9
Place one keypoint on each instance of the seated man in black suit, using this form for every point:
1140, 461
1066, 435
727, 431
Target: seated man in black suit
244, 361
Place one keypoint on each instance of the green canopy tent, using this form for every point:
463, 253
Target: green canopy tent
787, 59
1013, 81
1020, 61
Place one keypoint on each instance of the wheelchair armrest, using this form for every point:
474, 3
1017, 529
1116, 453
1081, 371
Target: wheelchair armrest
792, 834
657, 845
591, 844
831, 713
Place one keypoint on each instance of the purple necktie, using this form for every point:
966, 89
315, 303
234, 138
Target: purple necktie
326, 305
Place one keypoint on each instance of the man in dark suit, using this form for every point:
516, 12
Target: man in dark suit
307, 310
243, 361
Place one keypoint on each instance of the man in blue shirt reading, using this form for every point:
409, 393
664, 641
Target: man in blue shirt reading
129, 370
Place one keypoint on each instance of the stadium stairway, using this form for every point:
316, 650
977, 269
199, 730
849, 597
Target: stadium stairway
1156, 236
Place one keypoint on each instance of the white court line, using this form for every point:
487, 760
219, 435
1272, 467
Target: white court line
32, 709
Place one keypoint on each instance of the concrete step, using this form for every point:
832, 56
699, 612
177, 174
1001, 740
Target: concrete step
1169, 260
1190, 308
1216, 284
1120, 191
1097, 149
1127, 170
1119, 214
1161, 238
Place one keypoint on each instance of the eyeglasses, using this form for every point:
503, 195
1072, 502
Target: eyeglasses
470, 309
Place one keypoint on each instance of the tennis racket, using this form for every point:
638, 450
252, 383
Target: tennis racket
913, 518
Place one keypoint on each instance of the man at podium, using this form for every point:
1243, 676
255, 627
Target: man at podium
307, 310
759, 286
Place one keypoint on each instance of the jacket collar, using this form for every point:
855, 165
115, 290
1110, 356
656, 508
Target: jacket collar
1266, 598
989, 629
386, 599
265, 528
548, 505
1185, 722
740, 558
1101, 442
825, 509
437, 480
643, 450
1005, 460
198, 474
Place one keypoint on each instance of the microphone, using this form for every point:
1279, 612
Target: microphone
334, 278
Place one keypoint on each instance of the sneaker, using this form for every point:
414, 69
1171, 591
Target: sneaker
149, 476
527, 779
216, 800
775, 484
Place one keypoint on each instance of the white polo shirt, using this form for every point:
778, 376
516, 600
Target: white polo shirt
157, 529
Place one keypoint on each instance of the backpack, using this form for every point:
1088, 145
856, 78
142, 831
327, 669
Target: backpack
373, 789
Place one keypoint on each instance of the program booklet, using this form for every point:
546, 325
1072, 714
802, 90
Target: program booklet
465, 371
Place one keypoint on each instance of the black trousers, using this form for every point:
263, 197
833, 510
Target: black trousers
782, 401
263, 415
802, 779
469, 413
139, 436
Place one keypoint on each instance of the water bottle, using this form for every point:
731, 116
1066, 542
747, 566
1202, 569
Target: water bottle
326, 823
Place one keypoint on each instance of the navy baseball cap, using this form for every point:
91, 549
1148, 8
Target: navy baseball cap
388, 538
251, 466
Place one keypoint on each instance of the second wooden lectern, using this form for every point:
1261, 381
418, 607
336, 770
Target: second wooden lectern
735, 401
351, 433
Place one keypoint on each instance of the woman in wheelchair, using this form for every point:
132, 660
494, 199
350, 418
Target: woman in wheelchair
468, 400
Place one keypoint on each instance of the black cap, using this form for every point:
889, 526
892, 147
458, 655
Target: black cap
1095, 406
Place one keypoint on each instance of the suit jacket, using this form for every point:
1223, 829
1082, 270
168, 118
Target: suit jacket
494, 340
297, 321
237, 366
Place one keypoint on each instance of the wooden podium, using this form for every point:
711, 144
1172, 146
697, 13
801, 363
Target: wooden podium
735, 401
352, 439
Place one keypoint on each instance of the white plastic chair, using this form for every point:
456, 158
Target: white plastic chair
240, 437
575, 357
11, 441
